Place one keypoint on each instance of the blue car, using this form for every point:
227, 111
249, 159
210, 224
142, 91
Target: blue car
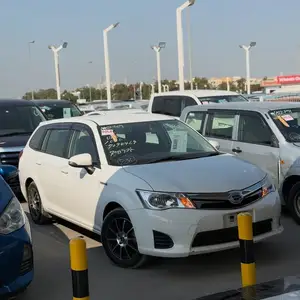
16, 255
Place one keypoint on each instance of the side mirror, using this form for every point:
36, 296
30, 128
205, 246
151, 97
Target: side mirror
82, 161
215, 144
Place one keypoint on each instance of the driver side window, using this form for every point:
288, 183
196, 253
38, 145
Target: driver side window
82, 142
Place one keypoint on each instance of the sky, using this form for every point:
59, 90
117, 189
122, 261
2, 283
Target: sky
217, 28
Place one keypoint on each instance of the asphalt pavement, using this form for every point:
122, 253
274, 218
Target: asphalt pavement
166, 279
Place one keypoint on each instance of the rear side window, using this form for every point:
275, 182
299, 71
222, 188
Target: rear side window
57, 141
220, 125
196, 120
168, 105
37, 139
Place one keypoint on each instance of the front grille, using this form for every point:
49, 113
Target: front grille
221, 200
9, 158
228, 235
162, 240
27, 262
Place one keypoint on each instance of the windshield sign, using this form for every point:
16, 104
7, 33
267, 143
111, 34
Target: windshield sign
288, 121
150, 142
223, 99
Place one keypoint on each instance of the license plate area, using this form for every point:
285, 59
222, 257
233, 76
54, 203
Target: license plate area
230, 220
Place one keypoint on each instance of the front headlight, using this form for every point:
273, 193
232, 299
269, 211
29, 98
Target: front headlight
267, 186
161, 201
12, 218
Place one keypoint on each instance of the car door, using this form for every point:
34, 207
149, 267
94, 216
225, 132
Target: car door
221, 126
50, 163
257, 144
82, 190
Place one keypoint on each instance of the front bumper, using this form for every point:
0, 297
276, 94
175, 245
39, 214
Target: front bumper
16, 261
185, 232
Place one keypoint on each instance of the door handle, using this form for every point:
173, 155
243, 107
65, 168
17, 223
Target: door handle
64, 172
237, 150
38, 163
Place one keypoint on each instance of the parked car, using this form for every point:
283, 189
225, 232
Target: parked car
149, 184
16, 255
57, 109
264, 133
18, 119
173, 103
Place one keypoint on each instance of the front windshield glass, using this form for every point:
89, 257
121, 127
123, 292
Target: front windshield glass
150, 142
59, 111
288, 122
19, 119
223, 99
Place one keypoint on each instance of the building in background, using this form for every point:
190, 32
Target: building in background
286, 83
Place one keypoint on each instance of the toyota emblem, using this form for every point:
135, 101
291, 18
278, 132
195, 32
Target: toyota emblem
235, 197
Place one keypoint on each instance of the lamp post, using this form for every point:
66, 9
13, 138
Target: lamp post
90, 90
157, 49
106, 61
55, 51
247, 51
30, 65
180, 41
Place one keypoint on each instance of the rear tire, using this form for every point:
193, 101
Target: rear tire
36, 209
119, 241
294, 202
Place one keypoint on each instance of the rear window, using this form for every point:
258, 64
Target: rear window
17, 120
223, 99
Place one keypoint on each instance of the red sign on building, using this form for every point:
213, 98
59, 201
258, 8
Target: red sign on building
289, 79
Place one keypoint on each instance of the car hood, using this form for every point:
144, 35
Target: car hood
14, 141
207, 175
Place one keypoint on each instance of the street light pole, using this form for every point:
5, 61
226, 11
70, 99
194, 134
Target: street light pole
180, 41
90, 91
106, 61
30, 65
157, 49
55, 51
247, 51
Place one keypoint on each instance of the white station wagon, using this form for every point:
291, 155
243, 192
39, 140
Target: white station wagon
149, 184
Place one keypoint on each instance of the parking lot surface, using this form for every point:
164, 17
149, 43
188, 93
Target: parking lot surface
176, 279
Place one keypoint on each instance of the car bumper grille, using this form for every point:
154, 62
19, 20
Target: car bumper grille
27, 261
162, 240
227, 235
9, 158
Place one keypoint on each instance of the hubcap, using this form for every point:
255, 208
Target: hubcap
121, 239
34, 203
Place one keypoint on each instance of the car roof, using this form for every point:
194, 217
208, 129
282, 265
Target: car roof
13, 102
252, 106
114, 117
49, 101
197, 93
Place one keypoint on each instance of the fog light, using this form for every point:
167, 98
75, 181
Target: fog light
27, 252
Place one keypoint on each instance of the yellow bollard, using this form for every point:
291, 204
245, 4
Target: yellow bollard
79, 269
248, 269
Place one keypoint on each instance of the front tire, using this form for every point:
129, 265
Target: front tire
119, 241
36, 209
294, 202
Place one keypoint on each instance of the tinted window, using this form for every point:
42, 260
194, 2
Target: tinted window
57, 142
19, 119
145, 142
195, 120
168, 105
36, 140
59, 111
253, 129
82, 142
188, 101
220, 125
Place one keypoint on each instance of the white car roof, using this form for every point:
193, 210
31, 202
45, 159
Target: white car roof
114, 117
197, 93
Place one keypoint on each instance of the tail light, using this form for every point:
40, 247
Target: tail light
20, 154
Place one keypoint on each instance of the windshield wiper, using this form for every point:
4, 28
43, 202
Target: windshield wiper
180, 157
15, 133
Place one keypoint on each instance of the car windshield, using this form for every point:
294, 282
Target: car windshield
59, 111
151, 142
16, 120
288, 122
223, 99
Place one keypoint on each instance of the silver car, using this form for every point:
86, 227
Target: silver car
264, 133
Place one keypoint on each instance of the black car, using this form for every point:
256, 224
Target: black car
58, 109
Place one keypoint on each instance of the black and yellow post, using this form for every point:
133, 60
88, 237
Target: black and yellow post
248, 269
79, 269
